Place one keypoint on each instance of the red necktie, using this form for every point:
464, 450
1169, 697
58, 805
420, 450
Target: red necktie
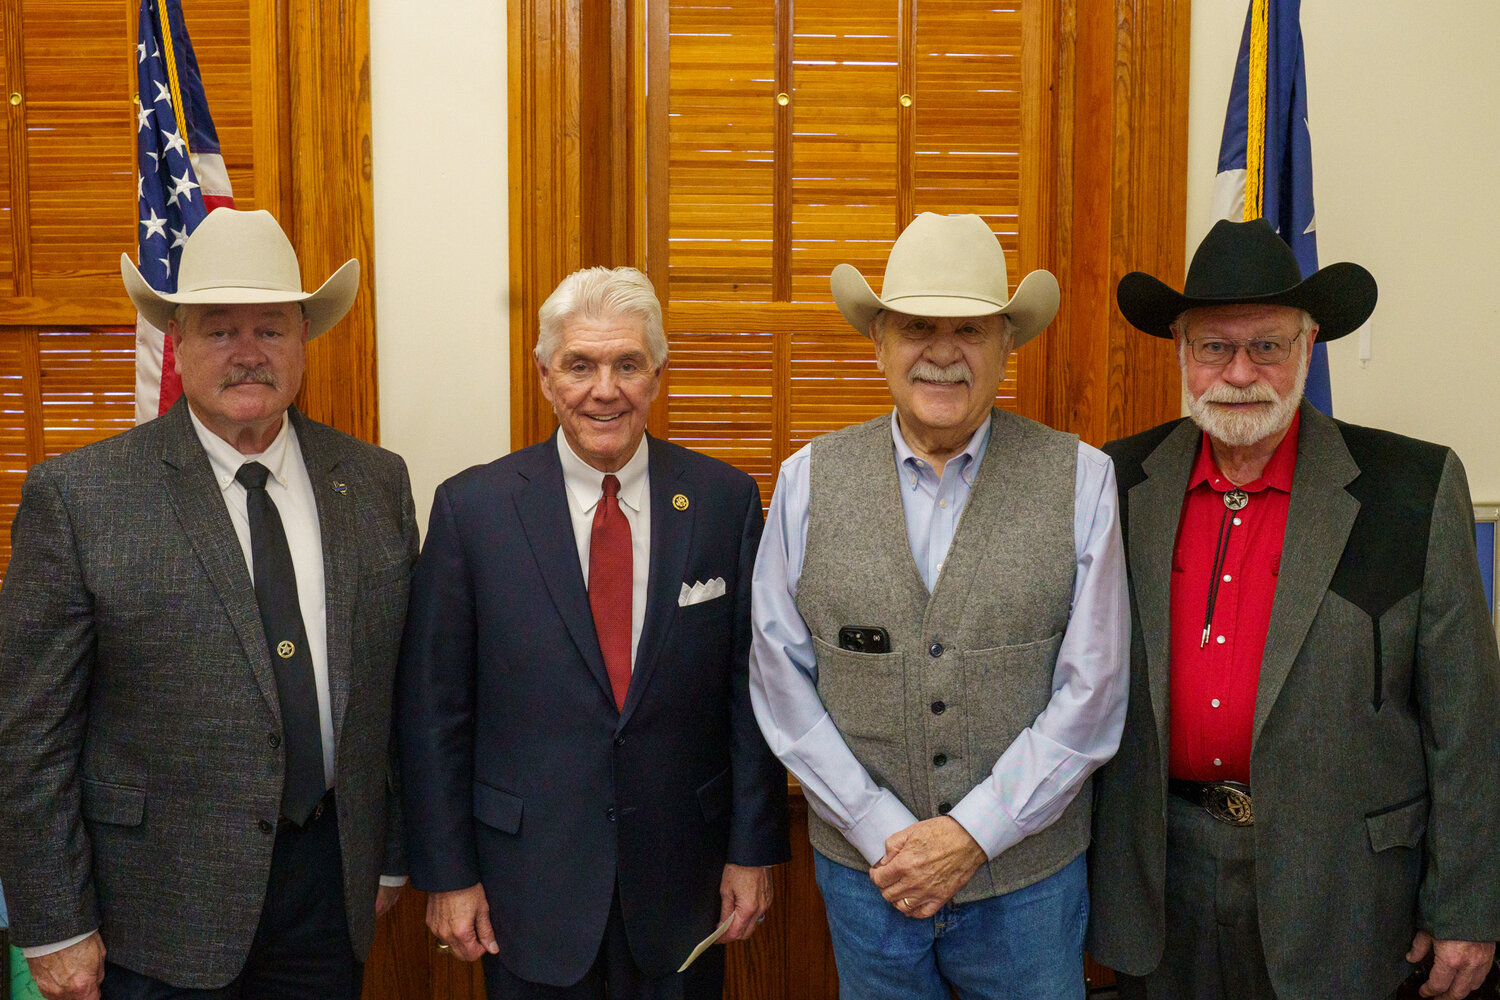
610, 584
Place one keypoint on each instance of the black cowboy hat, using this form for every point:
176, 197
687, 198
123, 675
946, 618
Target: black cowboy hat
1246, 263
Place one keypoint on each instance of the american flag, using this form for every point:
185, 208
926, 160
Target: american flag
1265, 157
181, 179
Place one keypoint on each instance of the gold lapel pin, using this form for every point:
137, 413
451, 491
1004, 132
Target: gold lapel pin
285, 649
340, 488
680, 502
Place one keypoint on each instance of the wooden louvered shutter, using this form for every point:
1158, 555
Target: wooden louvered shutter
800, 137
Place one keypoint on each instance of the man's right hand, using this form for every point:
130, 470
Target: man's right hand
73, 973
461, 920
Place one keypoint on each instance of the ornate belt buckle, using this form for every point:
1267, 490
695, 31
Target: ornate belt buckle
1229, 802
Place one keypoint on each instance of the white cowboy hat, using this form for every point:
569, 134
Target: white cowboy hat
242, 257
948, 265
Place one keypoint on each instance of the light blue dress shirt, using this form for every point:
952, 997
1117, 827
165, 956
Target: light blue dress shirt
1039, 774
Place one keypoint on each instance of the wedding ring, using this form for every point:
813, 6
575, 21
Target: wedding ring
906, 902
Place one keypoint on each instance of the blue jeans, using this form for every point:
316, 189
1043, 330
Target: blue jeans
1024, 944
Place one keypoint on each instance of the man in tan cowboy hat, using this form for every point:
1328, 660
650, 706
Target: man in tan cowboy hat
1304, 798
198, 638
939, 642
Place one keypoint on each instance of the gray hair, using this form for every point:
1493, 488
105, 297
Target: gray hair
602, 293
1180, 324
877, 325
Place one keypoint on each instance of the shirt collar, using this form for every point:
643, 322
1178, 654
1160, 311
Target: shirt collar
586, 484
225, 459
968, 460
1277, 475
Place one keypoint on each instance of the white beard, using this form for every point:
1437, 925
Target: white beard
1241, 429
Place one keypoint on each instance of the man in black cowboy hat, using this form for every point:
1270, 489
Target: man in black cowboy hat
1303, 798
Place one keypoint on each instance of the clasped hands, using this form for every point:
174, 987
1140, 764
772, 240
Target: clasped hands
926, 864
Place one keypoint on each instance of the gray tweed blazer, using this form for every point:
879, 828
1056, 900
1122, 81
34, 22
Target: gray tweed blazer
140, 760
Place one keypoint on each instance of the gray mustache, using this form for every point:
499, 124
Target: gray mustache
926, 371
238, 374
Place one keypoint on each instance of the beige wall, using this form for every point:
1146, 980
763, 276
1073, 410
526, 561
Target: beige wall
1403, 102
441, 251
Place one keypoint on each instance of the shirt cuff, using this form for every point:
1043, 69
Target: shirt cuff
980, 814
393, 881
37, 951
887, 817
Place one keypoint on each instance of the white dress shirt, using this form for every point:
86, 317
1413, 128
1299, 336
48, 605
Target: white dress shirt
1039, 774
291, 490
585, 488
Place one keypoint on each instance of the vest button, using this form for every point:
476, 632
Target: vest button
619, 741
266, 826
943, 808
609, 814
938, 760
274, 739
936, 649
938, 708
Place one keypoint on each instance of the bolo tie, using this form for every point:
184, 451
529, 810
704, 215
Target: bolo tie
1234, 500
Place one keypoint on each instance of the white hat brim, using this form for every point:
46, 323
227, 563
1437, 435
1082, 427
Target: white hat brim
1030, 309
323, 307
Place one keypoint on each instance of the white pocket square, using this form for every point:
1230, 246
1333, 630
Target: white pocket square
700, 592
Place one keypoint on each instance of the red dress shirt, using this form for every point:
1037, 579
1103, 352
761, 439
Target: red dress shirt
1214, 683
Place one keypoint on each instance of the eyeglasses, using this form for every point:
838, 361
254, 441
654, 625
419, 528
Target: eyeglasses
1217, 352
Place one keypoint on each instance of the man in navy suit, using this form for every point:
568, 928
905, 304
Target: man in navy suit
590, 795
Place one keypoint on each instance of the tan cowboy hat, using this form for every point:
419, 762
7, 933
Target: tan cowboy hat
947, 265
242, 257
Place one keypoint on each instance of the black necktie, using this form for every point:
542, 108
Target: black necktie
281, 615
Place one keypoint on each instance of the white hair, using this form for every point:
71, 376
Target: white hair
1180, 324
602, 293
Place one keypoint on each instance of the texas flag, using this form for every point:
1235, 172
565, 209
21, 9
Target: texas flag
1265, 157
181, 179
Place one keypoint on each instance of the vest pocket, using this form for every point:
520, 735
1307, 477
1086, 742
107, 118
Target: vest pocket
865, 693
1006, 688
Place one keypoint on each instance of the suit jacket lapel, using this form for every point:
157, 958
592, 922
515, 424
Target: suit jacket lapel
322, 453
198, 503
671, 540
1318, 522
542, 509
1155, 511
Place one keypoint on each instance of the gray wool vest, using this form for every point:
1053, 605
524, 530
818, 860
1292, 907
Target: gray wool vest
971, 663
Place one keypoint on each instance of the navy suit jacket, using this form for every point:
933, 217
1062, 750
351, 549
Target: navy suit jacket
518, 768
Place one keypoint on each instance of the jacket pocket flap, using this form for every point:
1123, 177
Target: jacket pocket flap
714, 795
495, 808
1398, 826
105, 802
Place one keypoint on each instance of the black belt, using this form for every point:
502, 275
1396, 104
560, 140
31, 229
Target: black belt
324, 804
1226, 801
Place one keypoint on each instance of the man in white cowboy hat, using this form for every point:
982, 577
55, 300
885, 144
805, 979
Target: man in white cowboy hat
1303, 801
198, 638
940, 640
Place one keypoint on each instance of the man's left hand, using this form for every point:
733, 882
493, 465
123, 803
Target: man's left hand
746, 892
1458, 967
385, 898
926, 864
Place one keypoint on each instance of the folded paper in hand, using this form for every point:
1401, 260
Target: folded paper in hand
719, 930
